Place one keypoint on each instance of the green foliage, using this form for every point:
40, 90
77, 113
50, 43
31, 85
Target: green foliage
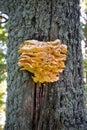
85, 64
3, 42
3, 30
2, 65
1, 99
85, 30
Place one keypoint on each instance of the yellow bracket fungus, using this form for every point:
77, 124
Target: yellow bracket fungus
44, 59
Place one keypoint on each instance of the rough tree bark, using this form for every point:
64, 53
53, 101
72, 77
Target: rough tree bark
54, 106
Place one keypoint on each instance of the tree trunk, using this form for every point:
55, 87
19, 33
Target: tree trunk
53, 106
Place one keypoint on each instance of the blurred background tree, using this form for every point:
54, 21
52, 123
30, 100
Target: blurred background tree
3, 49
3, 43
84, 29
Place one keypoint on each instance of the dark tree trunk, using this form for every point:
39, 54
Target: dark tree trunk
54, 106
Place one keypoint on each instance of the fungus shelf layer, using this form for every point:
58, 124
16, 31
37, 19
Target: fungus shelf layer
44, 59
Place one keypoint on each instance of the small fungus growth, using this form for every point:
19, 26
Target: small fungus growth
44, 59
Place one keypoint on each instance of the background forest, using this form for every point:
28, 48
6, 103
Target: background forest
3, 50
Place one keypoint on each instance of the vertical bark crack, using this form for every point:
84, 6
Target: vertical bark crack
37, 106
34, 108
